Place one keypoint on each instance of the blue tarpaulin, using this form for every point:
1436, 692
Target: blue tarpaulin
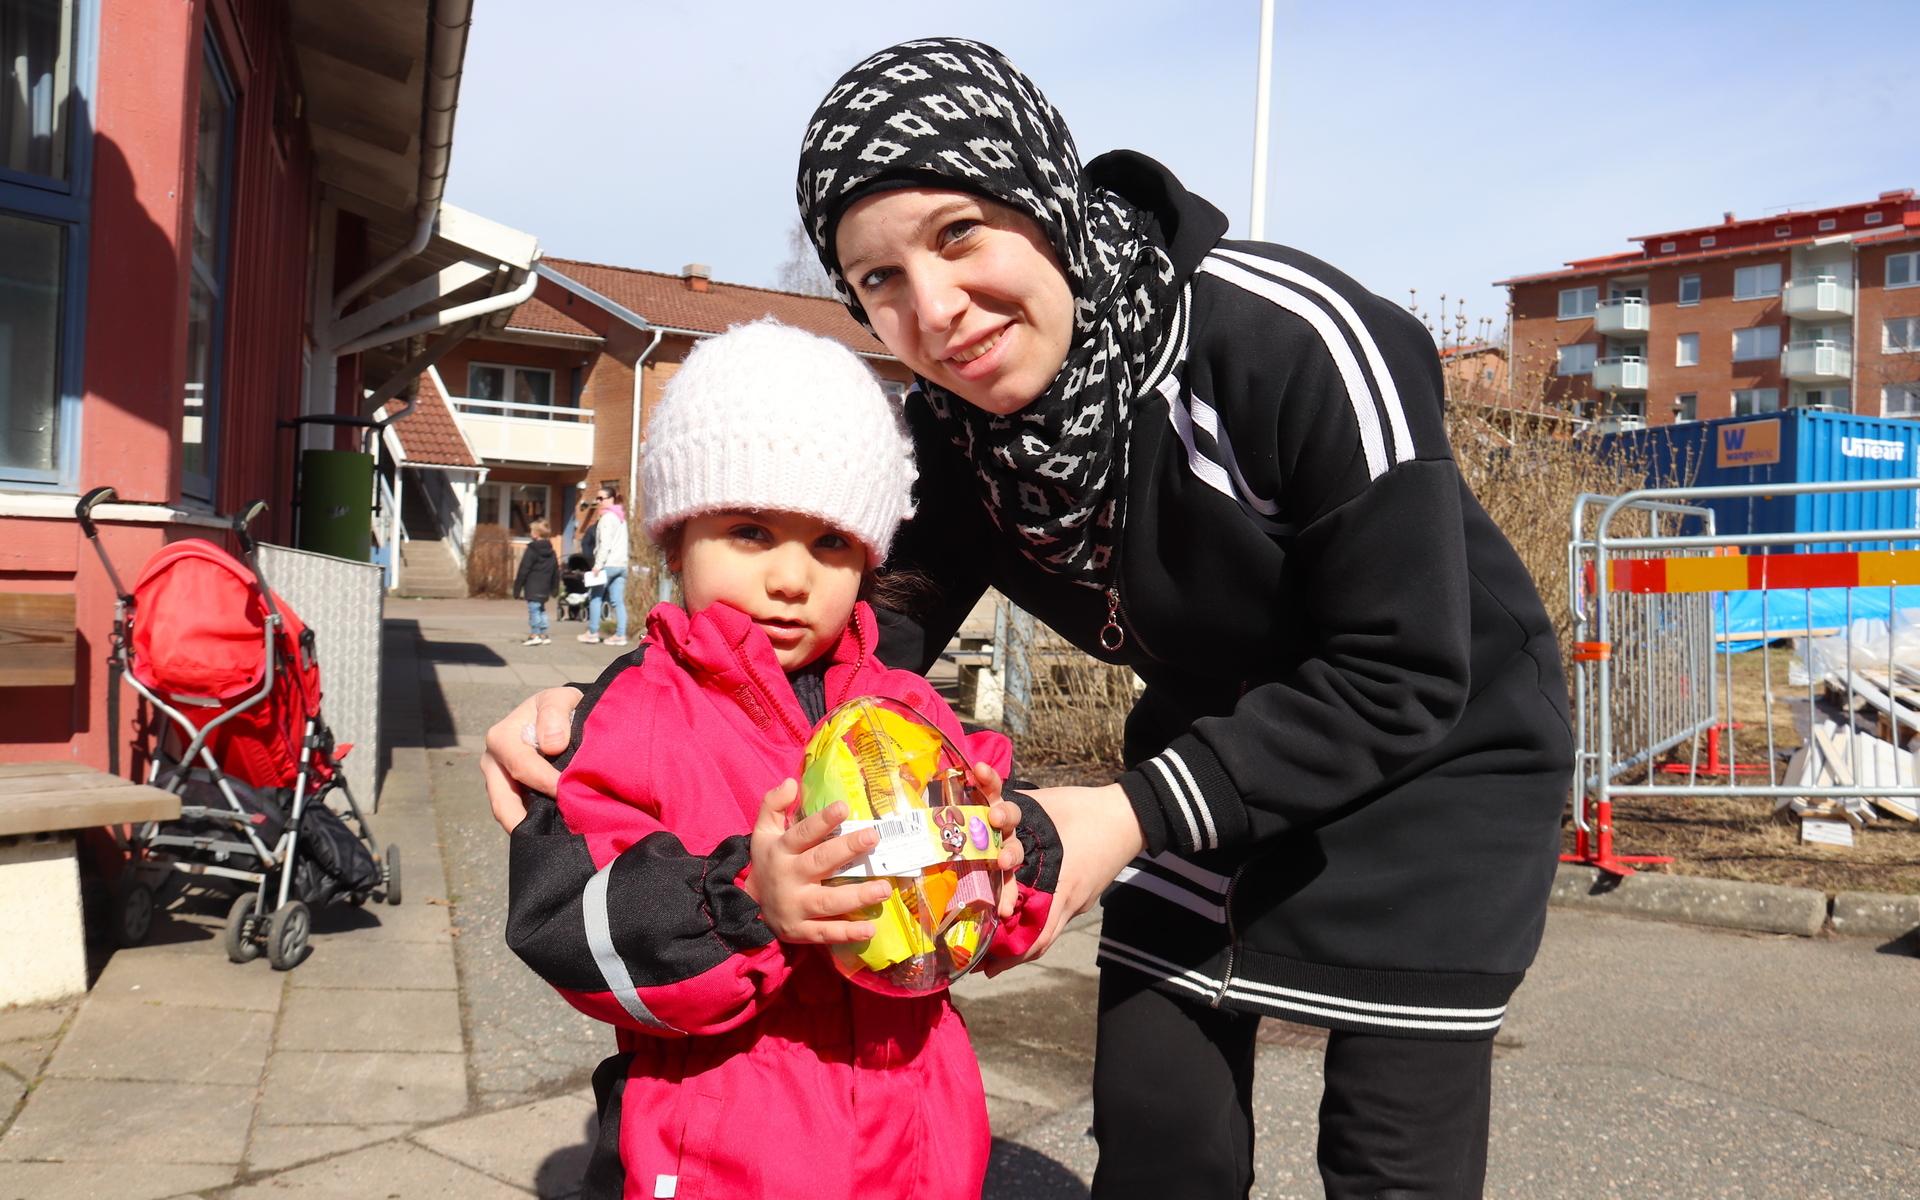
1793, 612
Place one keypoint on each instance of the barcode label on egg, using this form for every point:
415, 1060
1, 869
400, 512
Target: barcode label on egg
907, 843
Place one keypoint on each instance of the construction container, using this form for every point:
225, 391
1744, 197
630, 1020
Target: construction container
1791, 446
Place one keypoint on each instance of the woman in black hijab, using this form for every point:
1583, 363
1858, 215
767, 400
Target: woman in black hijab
1222, 464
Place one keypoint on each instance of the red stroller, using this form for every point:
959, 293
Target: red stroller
231, 674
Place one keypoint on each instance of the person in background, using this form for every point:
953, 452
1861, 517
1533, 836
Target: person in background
534, 581
610, 557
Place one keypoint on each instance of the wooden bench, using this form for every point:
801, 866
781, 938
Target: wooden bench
43, 806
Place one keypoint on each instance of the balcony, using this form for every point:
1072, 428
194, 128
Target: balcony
539, 435
1620, 373
1817, 296
1620, 318
1817, 362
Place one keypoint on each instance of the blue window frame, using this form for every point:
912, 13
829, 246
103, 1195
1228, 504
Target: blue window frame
207, 280
45, 169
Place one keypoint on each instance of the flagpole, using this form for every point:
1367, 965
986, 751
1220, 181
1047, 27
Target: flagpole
1257, 226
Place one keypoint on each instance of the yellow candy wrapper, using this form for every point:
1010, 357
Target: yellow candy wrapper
898, 774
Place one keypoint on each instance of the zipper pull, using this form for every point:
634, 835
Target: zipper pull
1112, 637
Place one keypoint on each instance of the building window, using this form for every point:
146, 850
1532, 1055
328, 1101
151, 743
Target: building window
514, 505
206, 283
1903, 270
1686, 407
1900, 335
1576, 360
1874, 218
1828, 224
1900, 400
1762, 341
1578, 302
1686, 350
1783, 231
1666, 247
1708, 242
510, 385
1752, 283
1749, 402
1689, 289
43, 214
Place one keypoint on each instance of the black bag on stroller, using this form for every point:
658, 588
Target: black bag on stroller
332, 861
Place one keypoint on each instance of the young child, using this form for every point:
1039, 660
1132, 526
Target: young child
539, 569
663, 891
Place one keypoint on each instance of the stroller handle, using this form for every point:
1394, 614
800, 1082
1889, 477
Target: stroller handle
84, 509
248, 514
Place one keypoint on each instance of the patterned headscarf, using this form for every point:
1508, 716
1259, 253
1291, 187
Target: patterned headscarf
951, 113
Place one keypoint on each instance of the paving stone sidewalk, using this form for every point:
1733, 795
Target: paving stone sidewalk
412, 1056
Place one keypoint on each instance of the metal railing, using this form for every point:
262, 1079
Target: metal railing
1660, 612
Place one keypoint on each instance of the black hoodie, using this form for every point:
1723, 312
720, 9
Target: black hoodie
1352, 753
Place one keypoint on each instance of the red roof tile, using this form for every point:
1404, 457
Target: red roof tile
664, 299
537, 316
429, 434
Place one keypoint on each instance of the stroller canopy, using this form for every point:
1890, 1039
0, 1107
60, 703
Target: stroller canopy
199, 623
199, 635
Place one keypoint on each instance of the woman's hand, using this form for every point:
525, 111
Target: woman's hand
512, 765
791, 863
1099, 836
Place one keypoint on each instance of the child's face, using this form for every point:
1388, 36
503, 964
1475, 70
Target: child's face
795, 575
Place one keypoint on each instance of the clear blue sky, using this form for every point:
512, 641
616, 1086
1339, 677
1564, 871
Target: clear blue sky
1414, 145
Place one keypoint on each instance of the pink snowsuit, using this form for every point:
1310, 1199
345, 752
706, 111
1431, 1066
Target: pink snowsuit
746, 1066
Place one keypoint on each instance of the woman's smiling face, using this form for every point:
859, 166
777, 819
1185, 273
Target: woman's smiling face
967, 292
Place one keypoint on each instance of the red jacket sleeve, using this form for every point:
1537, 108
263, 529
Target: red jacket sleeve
608, 906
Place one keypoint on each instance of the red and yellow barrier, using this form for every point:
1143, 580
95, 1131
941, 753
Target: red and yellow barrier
1758, 572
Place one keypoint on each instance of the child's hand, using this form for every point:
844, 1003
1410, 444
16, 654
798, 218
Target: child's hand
789, 862
1003, 815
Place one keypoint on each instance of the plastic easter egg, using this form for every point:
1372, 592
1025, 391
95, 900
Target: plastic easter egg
898, 774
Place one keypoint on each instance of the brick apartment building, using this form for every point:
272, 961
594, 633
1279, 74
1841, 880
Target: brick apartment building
1815, 308
512, 423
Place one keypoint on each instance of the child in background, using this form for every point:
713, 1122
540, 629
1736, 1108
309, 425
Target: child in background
664, 893
539, 569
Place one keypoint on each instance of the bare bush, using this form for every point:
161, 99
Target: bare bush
1076, 707
490, 562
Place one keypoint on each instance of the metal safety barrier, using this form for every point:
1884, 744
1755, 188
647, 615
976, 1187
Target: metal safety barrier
1663, 604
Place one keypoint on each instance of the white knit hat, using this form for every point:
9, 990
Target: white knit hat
765, 416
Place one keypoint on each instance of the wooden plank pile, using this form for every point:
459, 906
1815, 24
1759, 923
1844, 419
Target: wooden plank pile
1864, 737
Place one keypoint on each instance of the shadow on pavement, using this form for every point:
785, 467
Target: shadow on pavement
1017, 1172
566, 1168
413, 710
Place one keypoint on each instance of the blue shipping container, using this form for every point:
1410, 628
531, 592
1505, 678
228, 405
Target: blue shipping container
1792, 446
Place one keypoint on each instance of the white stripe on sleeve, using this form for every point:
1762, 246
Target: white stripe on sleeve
613, 968
1359, 395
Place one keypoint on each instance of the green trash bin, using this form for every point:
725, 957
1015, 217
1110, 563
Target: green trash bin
336, 503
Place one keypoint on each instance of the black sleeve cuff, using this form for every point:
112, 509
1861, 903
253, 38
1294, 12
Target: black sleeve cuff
1184, 799
1039, 844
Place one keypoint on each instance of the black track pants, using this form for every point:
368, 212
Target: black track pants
1400, 1118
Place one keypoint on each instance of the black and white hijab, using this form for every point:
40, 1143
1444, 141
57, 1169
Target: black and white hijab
952, 113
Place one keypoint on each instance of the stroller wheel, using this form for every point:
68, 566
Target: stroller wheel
242, 947
390, 869
287, 933
133, 905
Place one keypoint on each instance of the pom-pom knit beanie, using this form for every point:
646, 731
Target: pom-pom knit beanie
768, 417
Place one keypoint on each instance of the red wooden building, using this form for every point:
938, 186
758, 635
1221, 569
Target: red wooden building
215, 216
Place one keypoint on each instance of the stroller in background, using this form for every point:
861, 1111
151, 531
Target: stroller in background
574, 592
231, 674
